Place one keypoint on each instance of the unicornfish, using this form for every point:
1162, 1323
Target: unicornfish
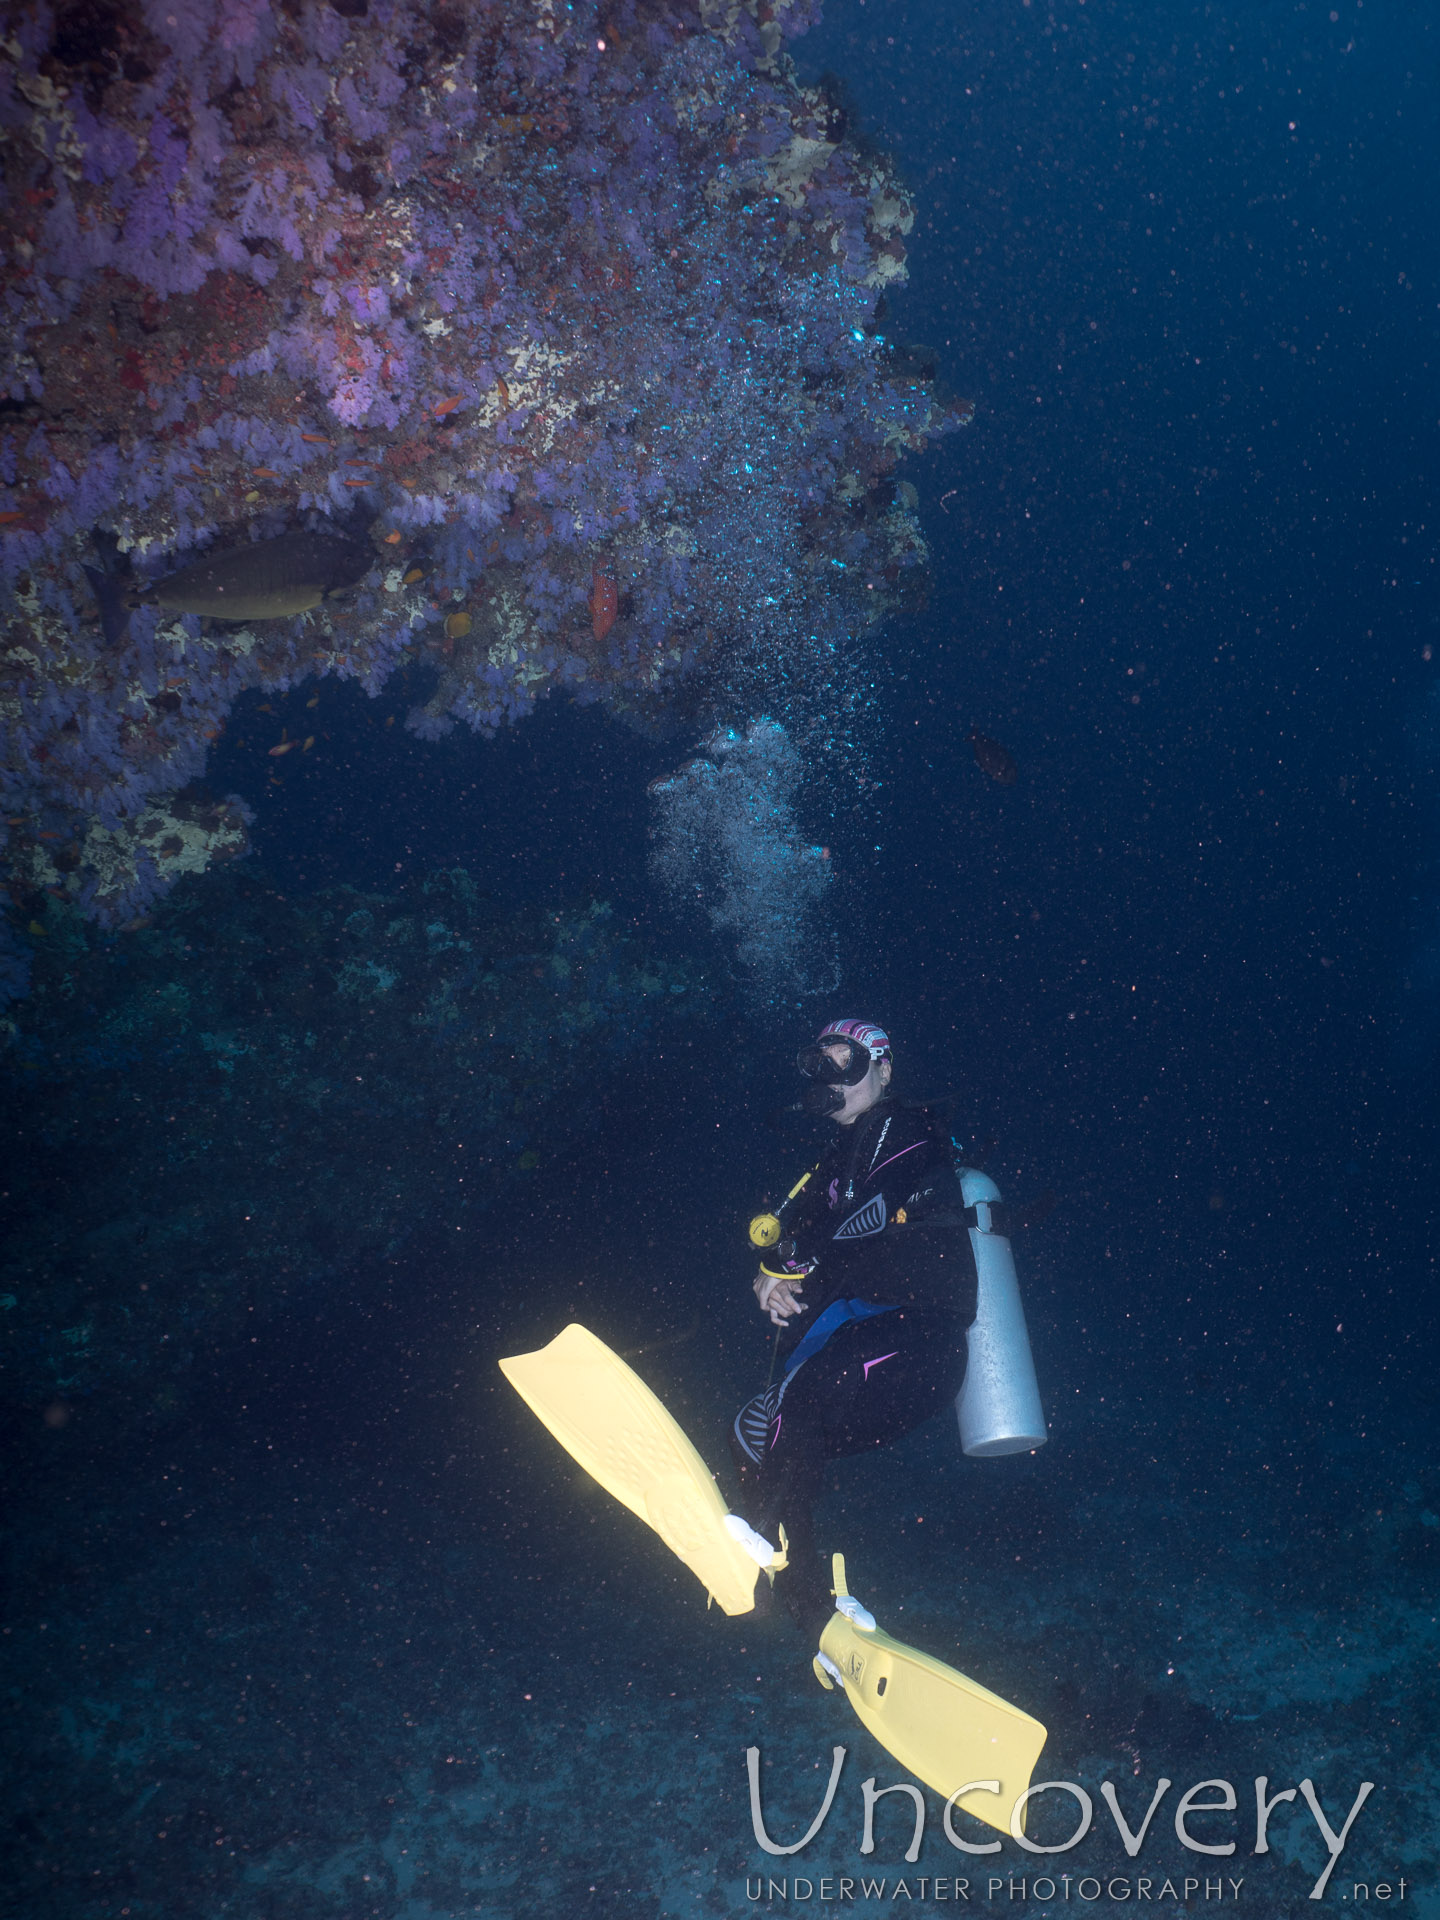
268, 580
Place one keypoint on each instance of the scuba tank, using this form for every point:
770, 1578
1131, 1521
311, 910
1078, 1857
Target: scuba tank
998, 1407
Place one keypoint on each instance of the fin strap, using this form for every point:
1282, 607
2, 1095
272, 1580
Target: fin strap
827, 1673
770, 1559
859, 1617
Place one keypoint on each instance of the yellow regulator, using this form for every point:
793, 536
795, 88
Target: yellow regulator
766, 1228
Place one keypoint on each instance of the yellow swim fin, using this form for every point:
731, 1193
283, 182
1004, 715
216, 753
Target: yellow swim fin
605, 1416
945, 1729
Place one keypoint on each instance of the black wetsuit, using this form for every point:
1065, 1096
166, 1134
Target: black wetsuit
889, 1289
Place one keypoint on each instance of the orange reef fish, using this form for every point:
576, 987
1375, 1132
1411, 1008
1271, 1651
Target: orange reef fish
991, 758
604, 604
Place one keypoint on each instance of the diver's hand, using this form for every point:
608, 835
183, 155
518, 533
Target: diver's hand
777, 1295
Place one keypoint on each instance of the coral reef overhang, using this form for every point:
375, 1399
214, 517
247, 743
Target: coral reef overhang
572, 313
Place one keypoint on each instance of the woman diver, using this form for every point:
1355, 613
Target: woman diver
871, 1286
872, 1291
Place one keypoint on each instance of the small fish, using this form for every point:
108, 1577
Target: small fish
991, 758
269, 580
604, 604
448, 406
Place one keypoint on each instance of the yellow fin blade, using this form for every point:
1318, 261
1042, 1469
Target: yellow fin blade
605, 1416
946, 1729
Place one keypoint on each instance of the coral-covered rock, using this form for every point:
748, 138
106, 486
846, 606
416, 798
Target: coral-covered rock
211, 1116
110, 870
527, 296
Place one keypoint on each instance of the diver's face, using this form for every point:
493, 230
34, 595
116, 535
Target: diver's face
865, 1093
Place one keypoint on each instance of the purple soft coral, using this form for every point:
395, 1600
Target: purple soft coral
554, 292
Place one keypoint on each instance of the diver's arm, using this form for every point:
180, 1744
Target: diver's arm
914, 1174
786, 1267
812, 1223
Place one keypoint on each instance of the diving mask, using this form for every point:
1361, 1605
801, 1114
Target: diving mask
835, 1060
841, 1057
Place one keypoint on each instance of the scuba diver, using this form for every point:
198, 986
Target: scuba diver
870, 1277
872, 1291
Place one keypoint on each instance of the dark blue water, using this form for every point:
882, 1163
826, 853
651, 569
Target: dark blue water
348, 1635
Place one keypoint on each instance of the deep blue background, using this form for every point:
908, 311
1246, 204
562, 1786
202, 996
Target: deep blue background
1185, 257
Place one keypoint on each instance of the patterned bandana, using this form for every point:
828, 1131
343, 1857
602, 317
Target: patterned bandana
864, 1033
